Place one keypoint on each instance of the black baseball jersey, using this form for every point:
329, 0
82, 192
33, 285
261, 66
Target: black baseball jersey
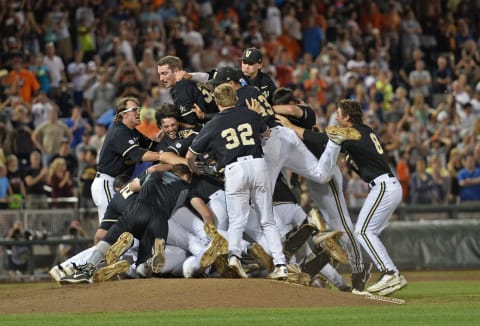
164, 190
164, 143
366, 156
122, 148
282, 193
120, 203
264, 83
185, 94
232, 133
248, 93
315, 141
202, 186
307, 120
181, 145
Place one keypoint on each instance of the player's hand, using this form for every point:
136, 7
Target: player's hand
254, 105
199, 113
206, 169
283, 121
182, 74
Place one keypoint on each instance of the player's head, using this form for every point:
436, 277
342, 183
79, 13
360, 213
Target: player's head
284, 95
167, 67
224, 75
167, 117
127, 110
349, 112
120, 181
252, 59
225, 96
182, 171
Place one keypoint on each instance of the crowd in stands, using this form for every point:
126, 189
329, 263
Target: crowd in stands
413, 65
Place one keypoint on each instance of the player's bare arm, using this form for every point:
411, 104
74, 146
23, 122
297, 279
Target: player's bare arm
191, 157
286, 123
172, 158
205, 212
288, 109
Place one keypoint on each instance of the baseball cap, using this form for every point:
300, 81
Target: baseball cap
224, 75
252, 55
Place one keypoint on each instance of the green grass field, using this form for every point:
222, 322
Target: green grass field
436, 303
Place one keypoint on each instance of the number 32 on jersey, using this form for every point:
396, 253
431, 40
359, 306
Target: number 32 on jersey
242, 135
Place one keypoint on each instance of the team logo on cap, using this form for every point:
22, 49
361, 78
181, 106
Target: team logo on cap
247, 53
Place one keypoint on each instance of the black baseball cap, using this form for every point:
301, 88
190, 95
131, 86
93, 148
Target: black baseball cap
252, 55
224, 75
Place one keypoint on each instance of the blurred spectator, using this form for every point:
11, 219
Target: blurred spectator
421, 185
48, 136
22, 80
64, 100
403, 174
65, 152
453, 166
148, 124
441, 180
7, 134
313, 38
41, 73
469, 179
4, 186
86, 179
420, 81
97, 139
35, 180
357, 191
41, 108
78, 126
61, 183
410, 34
17, 255
18, 192
58, 19
56, 68
74, 231
76, 71
100, 97
441, 79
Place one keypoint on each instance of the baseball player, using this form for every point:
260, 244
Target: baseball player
161, 193
252, 60
328, 197
234, 134
123, 147
366, 157
187, 95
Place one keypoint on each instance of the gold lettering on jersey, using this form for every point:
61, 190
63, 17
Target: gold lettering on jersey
243, 135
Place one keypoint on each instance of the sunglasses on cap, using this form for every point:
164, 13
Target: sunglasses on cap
135, 108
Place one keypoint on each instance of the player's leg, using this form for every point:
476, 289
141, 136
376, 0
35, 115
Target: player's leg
379, 205
261, 197
190, 222
102, 193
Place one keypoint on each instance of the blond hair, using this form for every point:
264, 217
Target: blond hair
54, 165
225, 95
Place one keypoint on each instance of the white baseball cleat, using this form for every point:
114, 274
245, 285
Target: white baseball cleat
279, 273
390, 290
388, 279
235, 264
57, 272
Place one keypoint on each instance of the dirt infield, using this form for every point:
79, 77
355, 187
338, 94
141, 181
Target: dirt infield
183, 294
169, 294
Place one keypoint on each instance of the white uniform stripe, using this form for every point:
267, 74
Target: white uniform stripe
129, 149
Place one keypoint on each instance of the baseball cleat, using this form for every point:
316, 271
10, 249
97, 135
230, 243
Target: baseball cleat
299, 278
235, 264
211, 230
109, 271
221, 265
57, 272
403, 283
280, 273
360, 279
158, 255
217, 246
296, 238
338, 134
328, 241
256, 251
83, 275
388, 279
315, 217
124, 241
190, 266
